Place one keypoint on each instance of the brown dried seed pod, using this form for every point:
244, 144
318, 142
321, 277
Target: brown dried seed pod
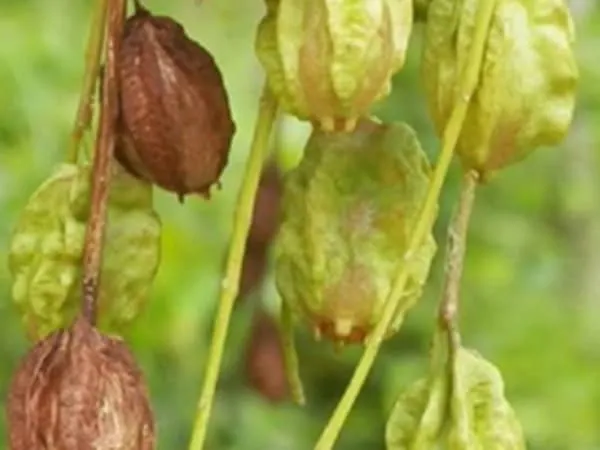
79, 390
175, 121
266, 208
265, 369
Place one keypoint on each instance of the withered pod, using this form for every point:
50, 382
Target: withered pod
79, 390
175, 124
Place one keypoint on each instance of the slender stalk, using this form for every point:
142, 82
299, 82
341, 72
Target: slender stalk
101, 171
455, 254
230, 284
92, 70
426, 218
290, 355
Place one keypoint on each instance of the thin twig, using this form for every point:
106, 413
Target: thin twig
452, 131
230, 284
101, 171
455, 254
92, 71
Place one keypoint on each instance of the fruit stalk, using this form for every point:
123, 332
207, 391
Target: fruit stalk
455, 254
230, 284
101, 171
469, 79
92, 70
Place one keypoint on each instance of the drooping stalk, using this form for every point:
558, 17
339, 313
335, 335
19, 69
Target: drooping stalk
230, 284
93, 55
101, 170
455, 255
290, 355
468, 83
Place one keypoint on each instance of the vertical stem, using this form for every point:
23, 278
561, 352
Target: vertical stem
290, 355
101, 171
230, 284
455, 254
92, 70
468, 83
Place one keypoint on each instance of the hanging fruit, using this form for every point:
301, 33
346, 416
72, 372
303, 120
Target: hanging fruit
79, 390
348, 211
328, 61
175, 121
526, 91
47, 246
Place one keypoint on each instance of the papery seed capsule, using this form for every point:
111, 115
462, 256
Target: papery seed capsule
328, 61
79, 390
348, 211
525, 95
175, 121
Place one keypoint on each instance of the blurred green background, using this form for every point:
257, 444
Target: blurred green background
531, 292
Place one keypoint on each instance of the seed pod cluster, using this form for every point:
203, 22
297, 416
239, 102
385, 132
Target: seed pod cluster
47, 246
328, 61
525, 96
79, 390
349, 208
175, 121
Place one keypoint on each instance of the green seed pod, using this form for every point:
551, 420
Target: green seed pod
348, 211
329, 61
461, 409
47, 246
526, 91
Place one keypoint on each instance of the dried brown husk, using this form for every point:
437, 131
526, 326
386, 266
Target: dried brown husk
79, 390
175, 120
265, 369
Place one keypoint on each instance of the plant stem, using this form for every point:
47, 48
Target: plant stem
290, 355
455, 254
101, 171
468, 84
92, 70
230, 284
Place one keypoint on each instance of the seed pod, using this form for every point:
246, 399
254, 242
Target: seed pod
79, 390
328, 61
463, 408
266, 208
47, 247
526, 91
348, 211
175, 123
265, 370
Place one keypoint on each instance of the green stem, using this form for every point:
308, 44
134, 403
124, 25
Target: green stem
230, 285
455, 254
452, 131
290, 355
93, 56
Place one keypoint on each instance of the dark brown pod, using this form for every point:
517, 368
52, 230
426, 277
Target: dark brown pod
266, 208
79, 390
265, 369
175, 121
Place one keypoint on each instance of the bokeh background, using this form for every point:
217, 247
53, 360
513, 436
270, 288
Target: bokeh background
531, 291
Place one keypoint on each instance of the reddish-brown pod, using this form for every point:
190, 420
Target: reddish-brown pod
79, 390
265, 369
175, 119
266, 208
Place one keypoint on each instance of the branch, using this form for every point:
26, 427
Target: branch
230, 284
101, 171
92, 70
455, 254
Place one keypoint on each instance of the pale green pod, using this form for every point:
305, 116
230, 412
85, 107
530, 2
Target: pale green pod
349, 209
328, 61
525, 95
47, 246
